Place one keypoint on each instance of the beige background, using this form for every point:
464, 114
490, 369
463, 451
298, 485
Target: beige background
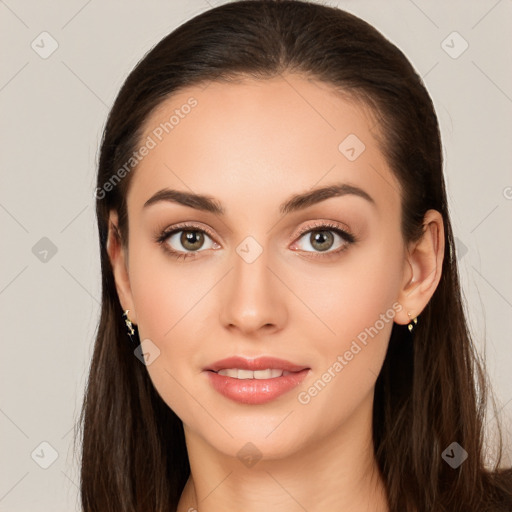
53, 112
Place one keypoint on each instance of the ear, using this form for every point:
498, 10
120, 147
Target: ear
119, 261
423, 267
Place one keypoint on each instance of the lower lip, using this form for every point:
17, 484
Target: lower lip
255, 391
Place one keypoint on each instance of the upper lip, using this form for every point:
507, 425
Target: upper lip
259, 363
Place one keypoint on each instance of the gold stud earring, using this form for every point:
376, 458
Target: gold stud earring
131, 328
413, 323
128, 322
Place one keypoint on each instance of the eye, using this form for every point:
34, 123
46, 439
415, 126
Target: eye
323, 237
185, 240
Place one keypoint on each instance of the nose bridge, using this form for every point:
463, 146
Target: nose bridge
251, 299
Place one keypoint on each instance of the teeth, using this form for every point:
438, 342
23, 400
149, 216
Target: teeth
236, 373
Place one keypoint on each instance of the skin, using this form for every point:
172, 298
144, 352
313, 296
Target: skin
251, 145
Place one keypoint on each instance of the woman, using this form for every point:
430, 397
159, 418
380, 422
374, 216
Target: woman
282, 325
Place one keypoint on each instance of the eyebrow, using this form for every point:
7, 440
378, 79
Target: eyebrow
294, 203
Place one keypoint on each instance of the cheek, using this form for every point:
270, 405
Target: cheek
358, 308
173, 308
154, 293
355, 306
170, 314
166, 293
352, 296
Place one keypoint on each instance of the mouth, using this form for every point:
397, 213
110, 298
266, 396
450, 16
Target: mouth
256, 381
238, 373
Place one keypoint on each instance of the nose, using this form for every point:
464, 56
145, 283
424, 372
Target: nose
252, 299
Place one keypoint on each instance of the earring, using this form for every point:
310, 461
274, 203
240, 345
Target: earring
413, 323
132, 334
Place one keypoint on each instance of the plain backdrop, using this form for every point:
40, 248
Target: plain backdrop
54, 106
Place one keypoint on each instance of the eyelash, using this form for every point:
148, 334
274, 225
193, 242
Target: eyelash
162, 237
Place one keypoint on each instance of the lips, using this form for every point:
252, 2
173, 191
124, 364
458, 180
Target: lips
260, 363
255, 391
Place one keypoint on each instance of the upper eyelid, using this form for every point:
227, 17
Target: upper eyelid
167, 232
329, 224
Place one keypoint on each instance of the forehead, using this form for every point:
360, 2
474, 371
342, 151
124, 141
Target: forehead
262, 138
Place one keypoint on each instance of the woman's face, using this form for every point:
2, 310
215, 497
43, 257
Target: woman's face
258, 279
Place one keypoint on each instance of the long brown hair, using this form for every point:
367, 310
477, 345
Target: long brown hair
429, 394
